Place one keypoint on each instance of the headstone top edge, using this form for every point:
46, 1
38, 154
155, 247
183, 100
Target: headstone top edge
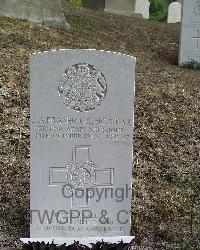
175, 3
83, 50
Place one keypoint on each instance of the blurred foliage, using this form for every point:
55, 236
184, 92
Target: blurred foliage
192, 65
77, 2
76, 246
158, 10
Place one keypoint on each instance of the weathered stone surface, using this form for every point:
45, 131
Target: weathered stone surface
120, 7
190, 32
133, 8
142, 7
81, 143
174, 12
48, 12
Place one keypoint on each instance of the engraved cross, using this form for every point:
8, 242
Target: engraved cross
81, 156
197, 38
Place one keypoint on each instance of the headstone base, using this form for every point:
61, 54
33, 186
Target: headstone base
85, 241
124, 13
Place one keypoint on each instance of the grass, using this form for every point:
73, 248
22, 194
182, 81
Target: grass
192, 65
165, 205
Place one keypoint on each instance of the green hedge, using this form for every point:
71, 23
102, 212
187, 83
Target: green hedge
158, 10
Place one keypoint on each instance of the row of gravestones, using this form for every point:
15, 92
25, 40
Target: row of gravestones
139, 8
50, 12
133, 8
128, 7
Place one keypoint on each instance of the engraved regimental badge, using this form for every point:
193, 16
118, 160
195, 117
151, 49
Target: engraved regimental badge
82, 87
196, 8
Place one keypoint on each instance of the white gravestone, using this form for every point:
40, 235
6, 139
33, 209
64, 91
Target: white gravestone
48, 12
190, 32
174, 12
142, 7
81, 128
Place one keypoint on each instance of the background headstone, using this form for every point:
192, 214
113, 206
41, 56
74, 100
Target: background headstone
132, 8
190, 32
142, 7
125, 7
94, 4
174, 12
122, 7
48, 12
81, 127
